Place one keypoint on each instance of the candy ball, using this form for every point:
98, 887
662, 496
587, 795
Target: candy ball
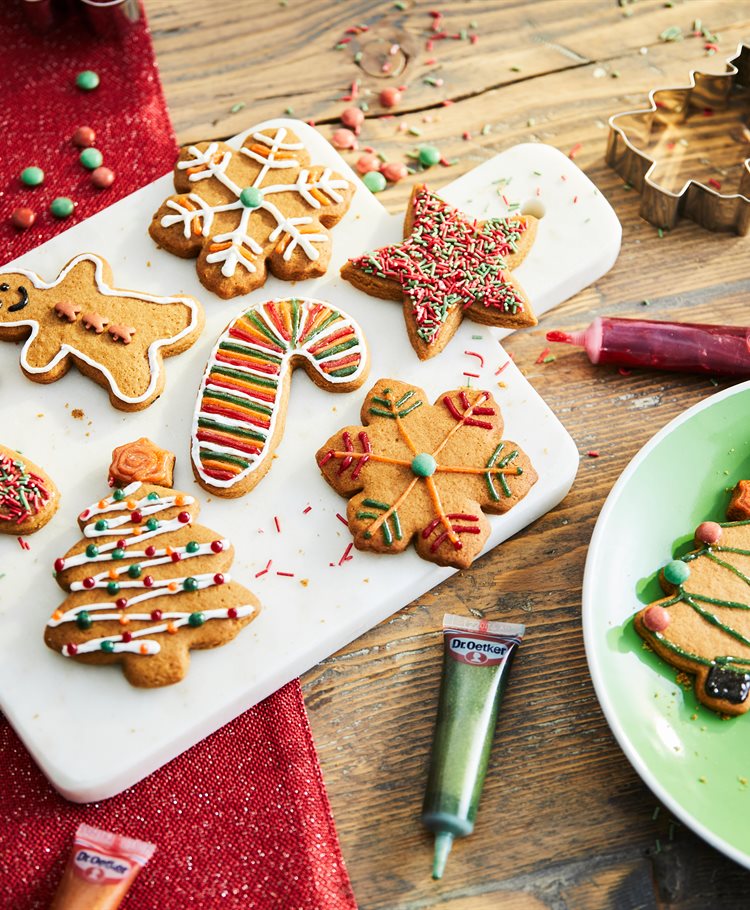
62, 207
656, 618
394, 171
91, 158
429, 155
374, 181
84, 137
251, 197
676, 572
102, 177
32, 176
708, 532
389, 97
87, 80
22, 218
353, 117
367, 163
344, 139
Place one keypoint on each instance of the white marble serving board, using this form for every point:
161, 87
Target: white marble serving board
93, 734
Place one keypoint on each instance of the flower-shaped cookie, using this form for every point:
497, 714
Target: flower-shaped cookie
426, 472
244, 211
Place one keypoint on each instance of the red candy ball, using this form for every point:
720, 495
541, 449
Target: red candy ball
121, 603
126, 637
656, 618
394, 171
23, 217
184, 517
121, 544
136, 517
176, 557
232, 613
150, 551
148, 581
367, 163
217, 546
88, 582
156, 615
390, 97
71, 649
708, 532
218, 579
84, 137
102, 177
59, 564
344, 139
353, 117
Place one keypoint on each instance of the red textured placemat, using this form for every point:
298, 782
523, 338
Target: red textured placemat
242, 819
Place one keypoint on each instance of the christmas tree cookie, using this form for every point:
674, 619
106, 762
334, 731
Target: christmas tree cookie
146, 584
28, 496
449, 267
703, 625
426, 473
245, 212
117, 338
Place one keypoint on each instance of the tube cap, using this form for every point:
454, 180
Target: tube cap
443, 844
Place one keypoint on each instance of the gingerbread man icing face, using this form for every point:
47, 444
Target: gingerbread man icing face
117, 338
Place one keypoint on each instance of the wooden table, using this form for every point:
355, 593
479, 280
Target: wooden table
565, 822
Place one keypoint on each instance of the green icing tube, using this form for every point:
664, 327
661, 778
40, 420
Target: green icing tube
477, 659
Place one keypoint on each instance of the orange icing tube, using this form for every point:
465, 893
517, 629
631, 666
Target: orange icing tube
100, 870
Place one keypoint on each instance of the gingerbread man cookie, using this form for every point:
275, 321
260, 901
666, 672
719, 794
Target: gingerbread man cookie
28, 496
245, 211
64, 322
146, 584
426, 473
449, 267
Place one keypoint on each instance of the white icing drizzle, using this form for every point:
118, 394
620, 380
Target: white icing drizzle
239, 239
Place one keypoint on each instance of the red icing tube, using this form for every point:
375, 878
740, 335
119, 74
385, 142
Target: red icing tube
681, 346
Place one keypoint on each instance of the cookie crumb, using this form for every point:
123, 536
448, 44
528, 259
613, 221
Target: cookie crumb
304, 582
77, 413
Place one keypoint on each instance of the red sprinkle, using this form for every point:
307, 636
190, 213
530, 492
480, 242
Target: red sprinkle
593, 453
540, 358
276, 522
346, 557
477, 355
24, 544
263, 571
624, 371
714, 183
502, 367
286, 574
471, 375
305, 511
342, 519
575, 150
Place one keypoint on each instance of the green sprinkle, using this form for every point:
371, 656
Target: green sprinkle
645, 303
399, 4
714, 382
235, 108
486, 129
549, 358
660, 232
289, 111
627, 186
615, 74
515, 69
531, 121
339, 47
673, 33
358, 56
414, 131
655, 813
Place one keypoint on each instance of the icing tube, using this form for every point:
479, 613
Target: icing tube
476, 662
100, 870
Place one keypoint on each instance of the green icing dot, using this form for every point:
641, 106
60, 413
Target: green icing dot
118, 553
134, 571
676, 572
91, 158
92, 550
374, 181
196, 619
192, 546
62, 207
84, 620
152, 496
118, 495
101, 525
152, 524
251, 197
190, 584
423, 465
87, 80
32, 176
108, 646
429, 155
113, 587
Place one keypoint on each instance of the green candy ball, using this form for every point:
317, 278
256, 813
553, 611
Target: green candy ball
374, 181
84, 620
251, 197
676, 572
101, 525
423, 465
62, 207
91, 158
118, 495
134, 571
196, 619
92, 550
190, 584
152, 524
118, 553
108, 646
192, 546
87, 80
152, 496
429, 155
113, 587
32, 176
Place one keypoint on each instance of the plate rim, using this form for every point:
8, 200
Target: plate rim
590, 640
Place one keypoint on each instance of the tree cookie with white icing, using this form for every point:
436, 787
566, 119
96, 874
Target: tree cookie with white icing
116, 337
146, 584
426, 473
28, 495
242, 401
245, 212
702, 626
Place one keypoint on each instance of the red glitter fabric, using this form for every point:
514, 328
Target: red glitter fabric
242, 819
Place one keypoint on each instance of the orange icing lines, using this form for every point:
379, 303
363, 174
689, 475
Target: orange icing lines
457, 469
371, 456
400, 424
301, 229
215, 247
384, 516
210, 464
265, 151
444, 520
215, 159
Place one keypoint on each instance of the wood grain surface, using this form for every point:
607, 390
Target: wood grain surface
565, 823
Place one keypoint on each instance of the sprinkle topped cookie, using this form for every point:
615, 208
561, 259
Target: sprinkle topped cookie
28, 496
449, 267
244, 211
425, 472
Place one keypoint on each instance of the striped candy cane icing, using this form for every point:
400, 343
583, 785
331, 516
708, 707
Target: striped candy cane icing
239, 399
125, 562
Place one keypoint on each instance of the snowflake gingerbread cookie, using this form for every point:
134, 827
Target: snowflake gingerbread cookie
426, 473
245, 211
447, 268
117, 338
146, 584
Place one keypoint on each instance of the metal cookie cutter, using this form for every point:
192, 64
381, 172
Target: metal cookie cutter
687, 154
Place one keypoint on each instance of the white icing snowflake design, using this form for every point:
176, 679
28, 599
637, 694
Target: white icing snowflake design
243, 207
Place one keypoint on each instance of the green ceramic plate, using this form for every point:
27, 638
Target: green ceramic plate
697, 764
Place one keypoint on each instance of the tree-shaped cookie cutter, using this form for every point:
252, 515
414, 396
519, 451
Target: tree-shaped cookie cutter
645, 145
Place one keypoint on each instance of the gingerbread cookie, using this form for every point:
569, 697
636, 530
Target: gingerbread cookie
449, 267
426, 473
242, 401
703, 625
146, 585
243, 212
28, 496
115, 337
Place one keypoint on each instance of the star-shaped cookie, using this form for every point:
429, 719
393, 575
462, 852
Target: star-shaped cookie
449, 267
